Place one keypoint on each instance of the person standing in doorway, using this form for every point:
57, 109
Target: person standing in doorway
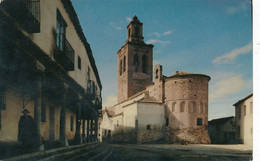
27, 131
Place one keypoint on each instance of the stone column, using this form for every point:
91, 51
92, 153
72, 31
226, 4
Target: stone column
91, 129
77, 138
87, 130
37, 107
63, 138
84, 130
96, 129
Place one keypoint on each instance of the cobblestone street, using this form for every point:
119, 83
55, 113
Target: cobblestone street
180, 153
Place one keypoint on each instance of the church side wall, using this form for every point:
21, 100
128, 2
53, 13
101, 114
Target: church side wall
151, 121
156, 90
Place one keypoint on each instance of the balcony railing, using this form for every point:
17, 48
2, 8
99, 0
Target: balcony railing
26, 13
99, 103
91, 91
64, 54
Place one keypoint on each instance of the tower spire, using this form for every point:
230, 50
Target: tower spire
135, 30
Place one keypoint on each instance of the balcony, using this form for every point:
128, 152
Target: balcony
25, 12
91, 90
64, 53
98, 103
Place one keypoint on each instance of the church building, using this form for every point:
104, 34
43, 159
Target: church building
151, 107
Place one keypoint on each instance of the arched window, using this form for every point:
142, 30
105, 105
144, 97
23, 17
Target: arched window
124, 64
182, 108
173, 106
129, 32
194, 107
137, 31
201, 107
156, 73
136, 62
144, 63
120, 68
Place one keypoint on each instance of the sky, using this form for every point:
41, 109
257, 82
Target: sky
212, 37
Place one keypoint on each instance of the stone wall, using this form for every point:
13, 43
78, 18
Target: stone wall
197, 135
138, 80
149, 136
122, 78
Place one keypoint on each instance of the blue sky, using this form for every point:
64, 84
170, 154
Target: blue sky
212, 37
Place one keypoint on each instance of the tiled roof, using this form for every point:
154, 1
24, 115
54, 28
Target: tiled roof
184, 74
242, 100
220, 121
149, 100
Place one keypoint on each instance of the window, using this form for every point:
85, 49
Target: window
156, 73
194, 107
201, 107
148, 127
173, 106
239, 112
120, 68
88, 74
136, 62
71, 123
182, 108
144, 63
79, 63
244, 110
117, 123
199, 121
129, 32
43, 112
124, 64
60, 31
167, 122
137, 31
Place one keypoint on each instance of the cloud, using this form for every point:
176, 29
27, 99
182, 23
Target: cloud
115, 26
109, 101
230, 56
243, 6
154, 41
227, 87
162, 34
128, 19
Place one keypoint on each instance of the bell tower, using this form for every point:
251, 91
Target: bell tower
135, 31
134, 62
